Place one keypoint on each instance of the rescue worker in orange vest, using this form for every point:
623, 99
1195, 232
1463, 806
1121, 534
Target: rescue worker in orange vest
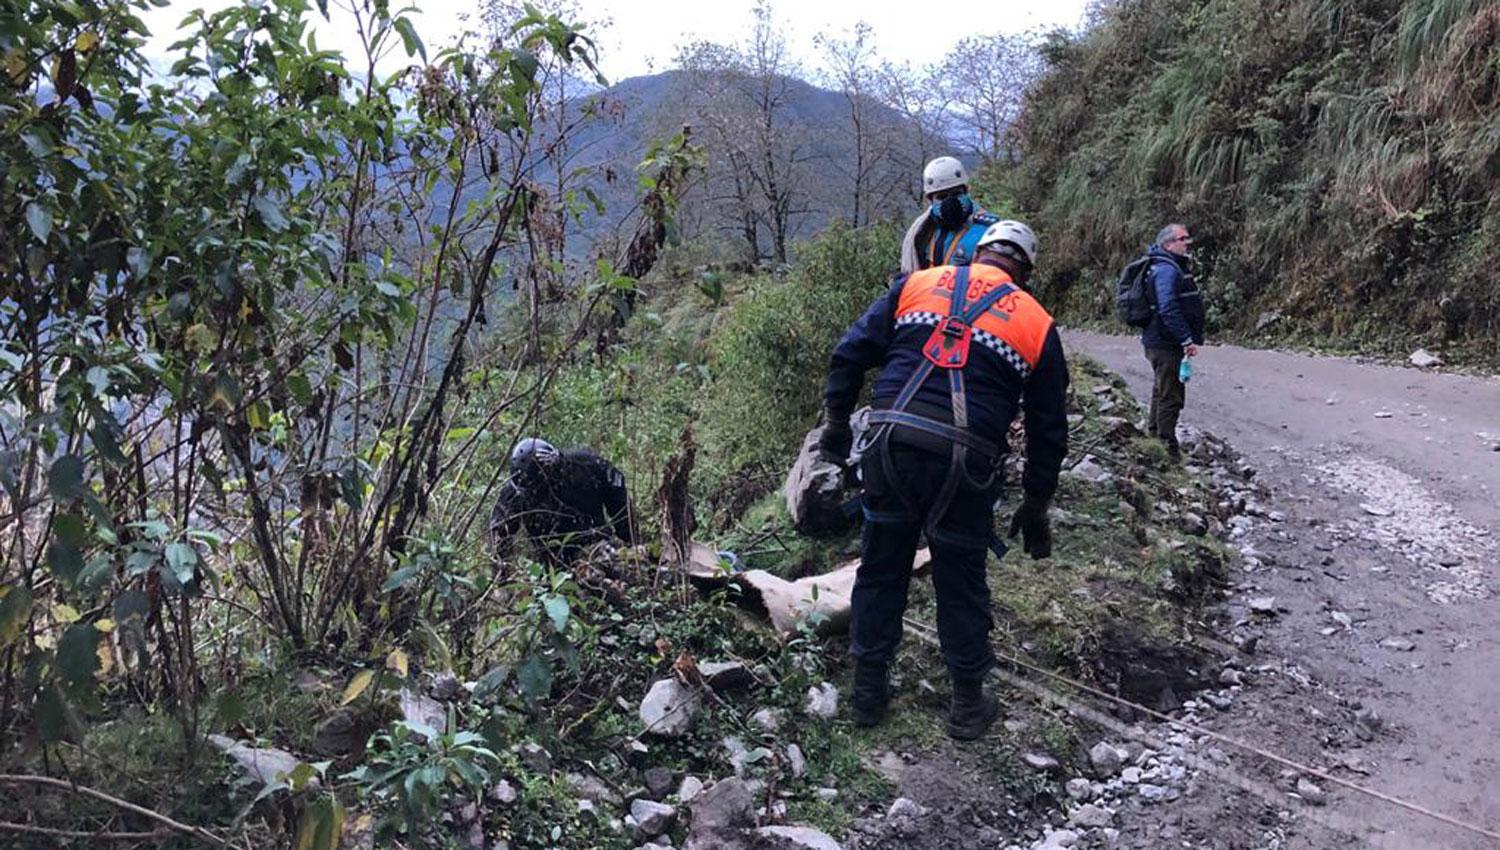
960, 349
947, 232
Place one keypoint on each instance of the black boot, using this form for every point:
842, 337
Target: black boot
972, 710
872, 693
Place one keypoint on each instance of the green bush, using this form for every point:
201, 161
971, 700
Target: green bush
770, 356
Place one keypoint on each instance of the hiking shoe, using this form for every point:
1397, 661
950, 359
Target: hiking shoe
972, 710
872, 693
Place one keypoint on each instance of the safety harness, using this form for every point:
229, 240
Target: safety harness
961, 246
947, 349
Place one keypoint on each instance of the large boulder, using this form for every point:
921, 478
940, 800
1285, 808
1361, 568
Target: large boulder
816, 490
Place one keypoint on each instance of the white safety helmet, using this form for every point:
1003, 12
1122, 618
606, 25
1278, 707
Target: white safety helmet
945, 172
1013, 232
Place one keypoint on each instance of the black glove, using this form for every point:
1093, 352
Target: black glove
837, 440
1036, 530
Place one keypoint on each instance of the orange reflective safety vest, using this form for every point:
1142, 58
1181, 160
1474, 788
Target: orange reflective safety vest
1015, 326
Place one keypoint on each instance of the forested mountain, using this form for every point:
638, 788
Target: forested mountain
1339, 160
738, 119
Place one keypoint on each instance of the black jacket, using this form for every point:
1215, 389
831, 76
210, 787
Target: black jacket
574, 503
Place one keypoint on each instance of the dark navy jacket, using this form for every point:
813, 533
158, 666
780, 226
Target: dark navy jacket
573, 504
999, 378
1179, 314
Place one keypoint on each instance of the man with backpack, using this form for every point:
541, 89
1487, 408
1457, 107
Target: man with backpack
1158, 294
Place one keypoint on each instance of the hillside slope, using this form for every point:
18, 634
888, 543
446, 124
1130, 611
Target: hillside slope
1339, 162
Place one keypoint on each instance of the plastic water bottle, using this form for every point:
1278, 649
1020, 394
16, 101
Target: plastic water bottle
1185, 371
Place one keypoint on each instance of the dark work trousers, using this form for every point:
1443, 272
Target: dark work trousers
891, 532
1168, 393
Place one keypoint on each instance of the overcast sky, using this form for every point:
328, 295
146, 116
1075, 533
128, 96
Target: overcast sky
642, 36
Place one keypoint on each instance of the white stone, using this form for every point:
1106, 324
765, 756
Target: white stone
1424, 359
800, 837
796, 761
670, 708
823, 701
691, 786
1311, 793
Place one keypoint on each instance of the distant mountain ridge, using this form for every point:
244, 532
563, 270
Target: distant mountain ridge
636, 111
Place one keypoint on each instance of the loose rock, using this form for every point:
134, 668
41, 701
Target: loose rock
670, 708
502, 792
1311, 793
726, 675
766, 720
658, 781
263, 764
1262, 604
1040, 761
1090, 817
823, 701
590, 788
1057, 839
1079, 789
795, 761
1398, 644
691, 787
536, 758
447, 688
652, 819
1106, 759
795, 838
334, 734
905, 808
1424, 359
1088, 469
728, 803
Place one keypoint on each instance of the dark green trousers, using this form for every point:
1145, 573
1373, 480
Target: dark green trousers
1168, 394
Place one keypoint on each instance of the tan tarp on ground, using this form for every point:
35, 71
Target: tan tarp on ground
786, 604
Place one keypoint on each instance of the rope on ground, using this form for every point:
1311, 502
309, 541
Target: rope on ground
927, 634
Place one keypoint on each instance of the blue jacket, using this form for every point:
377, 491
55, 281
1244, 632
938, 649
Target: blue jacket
1179, 316
997, 384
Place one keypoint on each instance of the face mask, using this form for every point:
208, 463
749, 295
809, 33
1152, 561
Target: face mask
952, 211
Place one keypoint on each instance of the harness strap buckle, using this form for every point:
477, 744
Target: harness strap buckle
948, 346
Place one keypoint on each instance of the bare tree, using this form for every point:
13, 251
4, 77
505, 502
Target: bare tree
877, 133
923, 102
757, 157
985, 78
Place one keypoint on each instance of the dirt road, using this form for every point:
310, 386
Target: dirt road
1376, 544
